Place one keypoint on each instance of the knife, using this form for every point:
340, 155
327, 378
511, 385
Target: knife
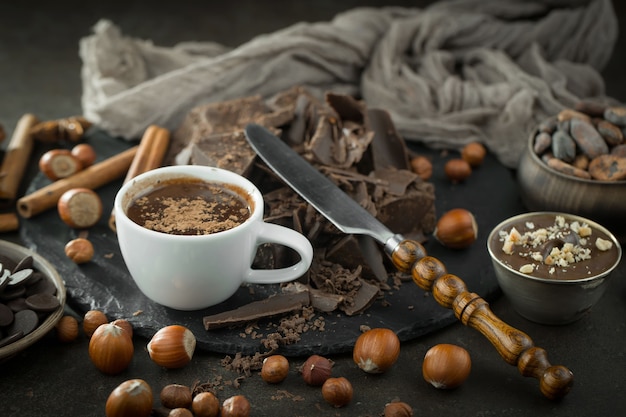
409, 256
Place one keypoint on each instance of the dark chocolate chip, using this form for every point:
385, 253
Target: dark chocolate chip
17, 304
44, 286
20, 277
24, 321
42, 302
25, 263
36, 277
12, 292
11, 338
6, 315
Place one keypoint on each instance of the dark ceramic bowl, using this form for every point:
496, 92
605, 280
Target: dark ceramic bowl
17, 252
544, 189
547, 297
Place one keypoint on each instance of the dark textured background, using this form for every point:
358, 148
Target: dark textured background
40, 74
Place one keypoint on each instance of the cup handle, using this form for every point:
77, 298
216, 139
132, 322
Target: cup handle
273, 233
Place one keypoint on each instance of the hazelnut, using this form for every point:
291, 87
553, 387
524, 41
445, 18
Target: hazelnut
59, 163
446, 366
80, 208
79, 250
456, 229
376, 350
316, 370
275, 369
110, 349
67, 329
398, 409
205, 404
131, 398
176, 396
457, 170
236, 406
422, 167
172, 346
337, 391
474, 153
92, 320
85, 153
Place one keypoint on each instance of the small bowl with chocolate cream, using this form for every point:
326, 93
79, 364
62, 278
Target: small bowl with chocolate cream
553, 266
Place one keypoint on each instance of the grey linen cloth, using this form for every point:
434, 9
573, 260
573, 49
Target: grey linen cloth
453, 72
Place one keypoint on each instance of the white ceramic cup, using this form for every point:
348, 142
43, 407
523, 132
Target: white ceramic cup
192, 272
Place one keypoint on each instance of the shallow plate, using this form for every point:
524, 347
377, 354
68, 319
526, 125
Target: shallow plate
104, 283
17, 252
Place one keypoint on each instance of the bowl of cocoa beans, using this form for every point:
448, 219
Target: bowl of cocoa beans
32, 298
575, 162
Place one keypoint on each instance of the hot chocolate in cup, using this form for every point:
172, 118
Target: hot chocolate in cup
194, 234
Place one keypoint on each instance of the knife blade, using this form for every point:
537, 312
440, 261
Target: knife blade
409, 256
319, 191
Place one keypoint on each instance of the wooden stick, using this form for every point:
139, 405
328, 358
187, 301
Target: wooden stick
9, 222
17, 157
91, 177
150, 154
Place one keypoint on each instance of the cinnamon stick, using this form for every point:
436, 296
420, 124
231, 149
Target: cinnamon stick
9, 222
91, 177
150, 154
16, 157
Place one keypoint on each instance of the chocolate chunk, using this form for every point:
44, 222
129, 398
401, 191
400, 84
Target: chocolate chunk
213, 119
224, 150
42, 303
272, 306
364, 298
388, 149
347, 252
24, 321
6, 315
326, 302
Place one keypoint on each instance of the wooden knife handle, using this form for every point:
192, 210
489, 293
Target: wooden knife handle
515, 347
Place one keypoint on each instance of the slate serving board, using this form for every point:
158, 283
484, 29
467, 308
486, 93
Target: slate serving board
104, 284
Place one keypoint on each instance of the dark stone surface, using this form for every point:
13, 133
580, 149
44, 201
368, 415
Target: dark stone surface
104, 284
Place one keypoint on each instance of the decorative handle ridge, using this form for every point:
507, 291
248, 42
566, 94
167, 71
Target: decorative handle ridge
515, 346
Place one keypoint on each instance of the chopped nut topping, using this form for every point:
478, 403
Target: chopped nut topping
603, 244
552, 247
